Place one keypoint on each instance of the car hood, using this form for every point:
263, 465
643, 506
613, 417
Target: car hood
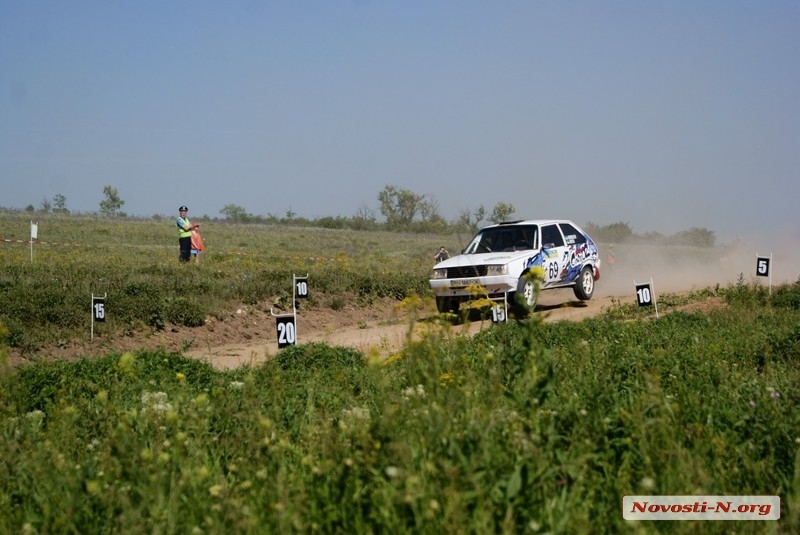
484, 258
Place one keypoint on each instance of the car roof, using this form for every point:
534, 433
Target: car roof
530, 222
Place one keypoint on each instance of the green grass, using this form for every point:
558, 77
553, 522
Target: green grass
134, 263
526, 428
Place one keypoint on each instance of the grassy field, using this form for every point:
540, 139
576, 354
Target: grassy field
526, 428
46, 299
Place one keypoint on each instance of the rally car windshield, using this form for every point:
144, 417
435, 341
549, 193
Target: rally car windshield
503, 239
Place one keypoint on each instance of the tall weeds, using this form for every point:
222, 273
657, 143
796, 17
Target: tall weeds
528, 427
46, 295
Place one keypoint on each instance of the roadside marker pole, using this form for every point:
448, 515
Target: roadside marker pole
286, 324
763, 268
646, 295
655, 299
34, 235
98, 310
299, 288
500, 312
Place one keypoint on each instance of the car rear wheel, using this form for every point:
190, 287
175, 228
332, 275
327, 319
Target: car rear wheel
584, 286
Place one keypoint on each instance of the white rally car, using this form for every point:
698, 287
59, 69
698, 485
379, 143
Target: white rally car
505, 259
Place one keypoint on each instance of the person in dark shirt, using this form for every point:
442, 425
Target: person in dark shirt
185, 228
441, 254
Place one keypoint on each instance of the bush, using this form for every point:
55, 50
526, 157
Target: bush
787, 296
184, 311
527, 426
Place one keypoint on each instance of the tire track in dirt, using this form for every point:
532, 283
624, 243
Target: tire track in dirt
383, 339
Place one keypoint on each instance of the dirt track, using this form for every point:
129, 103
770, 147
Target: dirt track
380, 327
383, 335
249, 336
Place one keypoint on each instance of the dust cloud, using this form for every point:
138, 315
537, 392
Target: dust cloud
684, 268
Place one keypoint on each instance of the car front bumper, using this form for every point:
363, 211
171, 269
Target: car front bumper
471, 287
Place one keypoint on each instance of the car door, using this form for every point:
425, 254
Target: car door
553, 251
575, 252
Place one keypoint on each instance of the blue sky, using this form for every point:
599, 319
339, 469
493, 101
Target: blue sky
665, 115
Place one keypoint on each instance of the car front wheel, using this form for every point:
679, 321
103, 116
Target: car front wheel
525, 296
446, 304
584, 287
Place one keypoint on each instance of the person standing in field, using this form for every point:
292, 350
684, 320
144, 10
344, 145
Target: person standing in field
441, 255
185, 228
611, 257
197, 245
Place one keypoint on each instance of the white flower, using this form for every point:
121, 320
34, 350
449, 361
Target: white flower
392, 471
356, 413
36, 415
412, 392
156, 401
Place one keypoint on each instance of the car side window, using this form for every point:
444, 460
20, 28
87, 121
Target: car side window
571, 234
551, 237
529, 234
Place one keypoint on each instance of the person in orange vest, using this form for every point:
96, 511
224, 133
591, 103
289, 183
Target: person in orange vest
185, 228
611, 257
197, 245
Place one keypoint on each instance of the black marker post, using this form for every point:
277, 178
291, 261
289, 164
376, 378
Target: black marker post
98, 310
286, 324
299, 288
645, 295
763, 265
500, 311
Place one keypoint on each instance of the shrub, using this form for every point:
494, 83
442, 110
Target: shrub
787, 296
184, 311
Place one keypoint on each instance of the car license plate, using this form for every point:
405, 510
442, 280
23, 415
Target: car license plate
463, 283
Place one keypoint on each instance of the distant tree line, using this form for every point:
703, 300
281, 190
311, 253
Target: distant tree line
406, 211
57, 206
403, 210
622, 233
110, 206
